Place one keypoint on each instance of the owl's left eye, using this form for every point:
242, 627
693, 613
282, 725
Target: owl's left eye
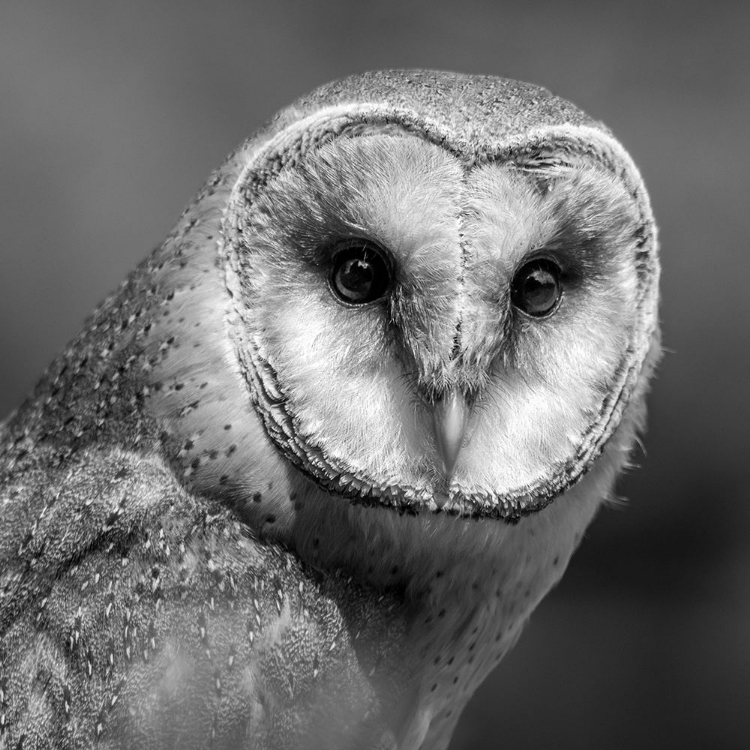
361, 274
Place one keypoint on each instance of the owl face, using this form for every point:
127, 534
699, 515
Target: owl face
426, 329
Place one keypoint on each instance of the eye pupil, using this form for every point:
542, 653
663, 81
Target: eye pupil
360, 273
355, 276
536, 288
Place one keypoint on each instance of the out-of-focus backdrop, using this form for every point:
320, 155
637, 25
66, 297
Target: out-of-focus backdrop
112, 115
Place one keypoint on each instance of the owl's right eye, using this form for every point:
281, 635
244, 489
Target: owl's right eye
361, 273
537, 288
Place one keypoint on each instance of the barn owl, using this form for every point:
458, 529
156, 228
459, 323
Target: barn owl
304, 476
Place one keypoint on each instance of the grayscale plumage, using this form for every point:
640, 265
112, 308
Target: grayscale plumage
303, 477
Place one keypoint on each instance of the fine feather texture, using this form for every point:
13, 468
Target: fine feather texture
218, 525
135, 616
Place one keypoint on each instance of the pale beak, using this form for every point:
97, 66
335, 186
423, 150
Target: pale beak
450, 417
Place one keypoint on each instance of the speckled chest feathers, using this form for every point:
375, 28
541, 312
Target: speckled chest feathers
303, 477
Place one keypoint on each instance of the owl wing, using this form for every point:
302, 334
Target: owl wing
134, 615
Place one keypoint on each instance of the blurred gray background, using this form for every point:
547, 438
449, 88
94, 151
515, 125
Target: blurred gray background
112, 115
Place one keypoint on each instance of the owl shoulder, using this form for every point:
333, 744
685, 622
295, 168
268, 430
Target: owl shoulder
130, 608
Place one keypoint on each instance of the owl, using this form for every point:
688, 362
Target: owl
303, 477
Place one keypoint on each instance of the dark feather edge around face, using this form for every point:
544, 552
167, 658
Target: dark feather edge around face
547, 148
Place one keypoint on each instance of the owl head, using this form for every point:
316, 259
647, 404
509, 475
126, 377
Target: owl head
442, 289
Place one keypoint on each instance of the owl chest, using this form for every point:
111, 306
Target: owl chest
456, 670
474, 615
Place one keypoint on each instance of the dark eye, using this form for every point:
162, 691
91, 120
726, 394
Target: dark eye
360, 273
536, 288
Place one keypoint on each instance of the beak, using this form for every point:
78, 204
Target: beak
450, 416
